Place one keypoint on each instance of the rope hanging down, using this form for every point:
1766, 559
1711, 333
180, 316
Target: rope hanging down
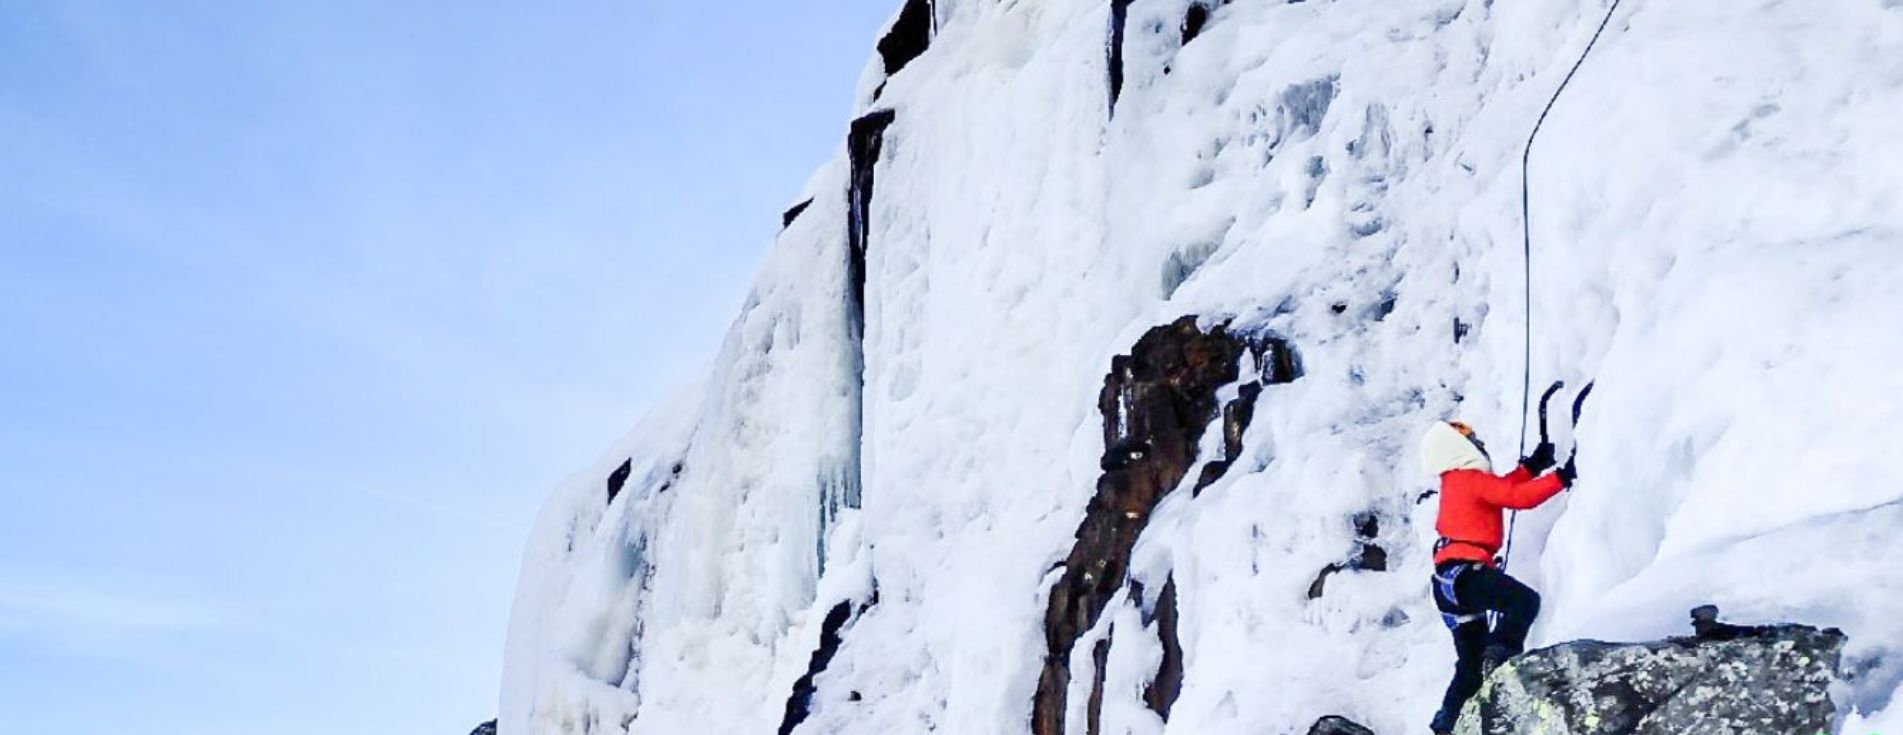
1526, 244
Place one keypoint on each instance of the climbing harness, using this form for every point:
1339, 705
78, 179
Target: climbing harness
1526, 244
1444, 542
1445, 578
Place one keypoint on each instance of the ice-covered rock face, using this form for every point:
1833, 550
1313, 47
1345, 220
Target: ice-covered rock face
907, 408
1771, 681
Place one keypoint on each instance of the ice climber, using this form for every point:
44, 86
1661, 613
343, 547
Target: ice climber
1468, 582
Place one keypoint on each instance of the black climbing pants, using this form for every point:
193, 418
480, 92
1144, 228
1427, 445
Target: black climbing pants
1478, 590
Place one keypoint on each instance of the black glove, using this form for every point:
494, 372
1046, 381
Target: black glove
1540, 460
1568, 472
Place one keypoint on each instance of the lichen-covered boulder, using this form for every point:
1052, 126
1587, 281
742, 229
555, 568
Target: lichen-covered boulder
1333, 725
1730, 680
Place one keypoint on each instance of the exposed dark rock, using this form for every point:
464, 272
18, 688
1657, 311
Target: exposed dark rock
1319, 586
1763, 680
487, 728
1168, 684
1236, 416
800, 704
1119, 14
1100, 658
1213, 470
793, 213
1372, 558
673, 476
1193, 21
1278, 361
1156, 403
619, 477
1460, 330
1334, 725
1367, 525
911, 34
1367, 556
864, 142
1124, 453
1706, 626
1383, 308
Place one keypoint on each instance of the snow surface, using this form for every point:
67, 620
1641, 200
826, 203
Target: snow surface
1719, 242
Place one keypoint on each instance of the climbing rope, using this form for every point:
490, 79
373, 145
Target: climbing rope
1526, 244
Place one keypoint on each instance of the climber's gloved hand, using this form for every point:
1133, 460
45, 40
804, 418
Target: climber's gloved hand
1540, 460
1568, 472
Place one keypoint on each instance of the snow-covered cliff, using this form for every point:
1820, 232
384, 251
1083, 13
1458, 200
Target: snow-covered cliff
921, 487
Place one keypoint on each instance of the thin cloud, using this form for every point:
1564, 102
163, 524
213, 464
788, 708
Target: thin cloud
79, 613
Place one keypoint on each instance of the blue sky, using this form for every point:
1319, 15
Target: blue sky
305, 306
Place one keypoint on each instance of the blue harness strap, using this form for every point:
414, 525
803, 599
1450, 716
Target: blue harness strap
1444, 583
1444, 580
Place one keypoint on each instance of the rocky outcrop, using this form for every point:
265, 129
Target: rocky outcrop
865, 140
793, 213
909, 36
618, 478
1193, 21
1333, 725
1161, 694
487, 728
1156, 403
1767, 680
831, 636
1367, 556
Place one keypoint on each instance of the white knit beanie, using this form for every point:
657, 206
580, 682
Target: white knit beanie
1445, 449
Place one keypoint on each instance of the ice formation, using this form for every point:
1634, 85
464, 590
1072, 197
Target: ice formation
910, 422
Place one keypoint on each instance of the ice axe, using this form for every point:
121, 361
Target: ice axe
1579, 404
1546, 398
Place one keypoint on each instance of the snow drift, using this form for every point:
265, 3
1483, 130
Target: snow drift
900, 444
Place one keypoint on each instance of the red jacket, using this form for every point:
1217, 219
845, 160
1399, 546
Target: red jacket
1470, 506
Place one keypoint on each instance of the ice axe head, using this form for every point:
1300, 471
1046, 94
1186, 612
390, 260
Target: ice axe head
1546, 398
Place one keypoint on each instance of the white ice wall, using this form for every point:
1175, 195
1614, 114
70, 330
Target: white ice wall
1716, 215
